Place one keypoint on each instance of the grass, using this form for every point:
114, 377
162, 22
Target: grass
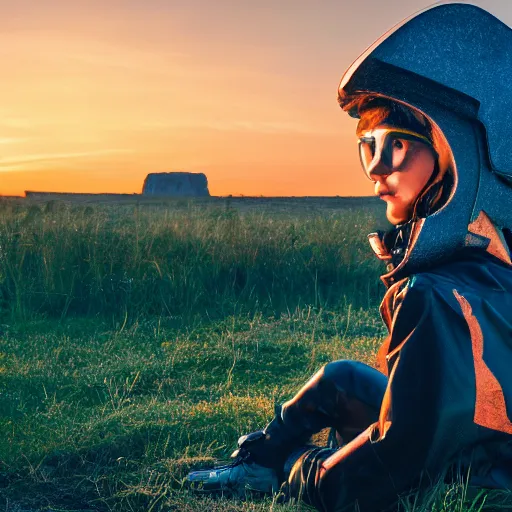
111, 412
128, 261
109, 396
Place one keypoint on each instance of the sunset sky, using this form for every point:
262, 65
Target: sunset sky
96, 94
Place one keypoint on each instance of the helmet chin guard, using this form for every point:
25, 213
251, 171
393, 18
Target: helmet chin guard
452, 62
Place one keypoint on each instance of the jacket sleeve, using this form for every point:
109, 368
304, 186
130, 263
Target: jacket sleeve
426, 413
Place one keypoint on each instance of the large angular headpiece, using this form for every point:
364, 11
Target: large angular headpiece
452, 62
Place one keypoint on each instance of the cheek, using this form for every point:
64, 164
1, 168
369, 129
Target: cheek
409, 189
412, 182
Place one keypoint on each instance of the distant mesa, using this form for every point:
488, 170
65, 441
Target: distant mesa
176, 184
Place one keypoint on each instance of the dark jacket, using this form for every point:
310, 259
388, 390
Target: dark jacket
449, 361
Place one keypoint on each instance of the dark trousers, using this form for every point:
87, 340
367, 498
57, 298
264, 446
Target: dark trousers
344, 395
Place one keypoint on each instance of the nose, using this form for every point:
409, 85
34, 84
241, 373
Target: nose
380, 183
378, 171
379, 178
379, 187
380, 175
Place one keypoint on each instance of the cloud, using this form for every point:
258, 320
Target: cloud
11, 162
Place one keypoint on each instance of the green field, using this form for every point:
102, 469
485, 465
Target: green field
138, 341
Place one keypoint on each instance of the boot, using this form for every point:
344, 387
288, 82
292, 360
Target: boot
271, 446
235, 479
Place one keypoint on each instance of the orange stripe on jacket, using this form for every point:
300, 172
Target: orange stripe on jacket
490, 407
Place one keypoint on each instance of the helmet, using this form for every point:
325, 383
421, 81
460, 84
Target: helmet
451, 62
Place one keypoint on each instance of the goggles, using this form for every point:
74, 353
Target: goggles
386, 150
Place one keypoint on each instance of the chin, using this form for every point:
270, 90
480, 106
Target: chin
395, 216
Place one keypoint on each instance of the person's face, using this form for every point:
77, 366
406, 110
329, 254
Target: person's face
400, 187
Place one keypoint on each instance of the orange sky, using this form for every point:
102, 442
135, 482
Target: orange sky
94, 97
